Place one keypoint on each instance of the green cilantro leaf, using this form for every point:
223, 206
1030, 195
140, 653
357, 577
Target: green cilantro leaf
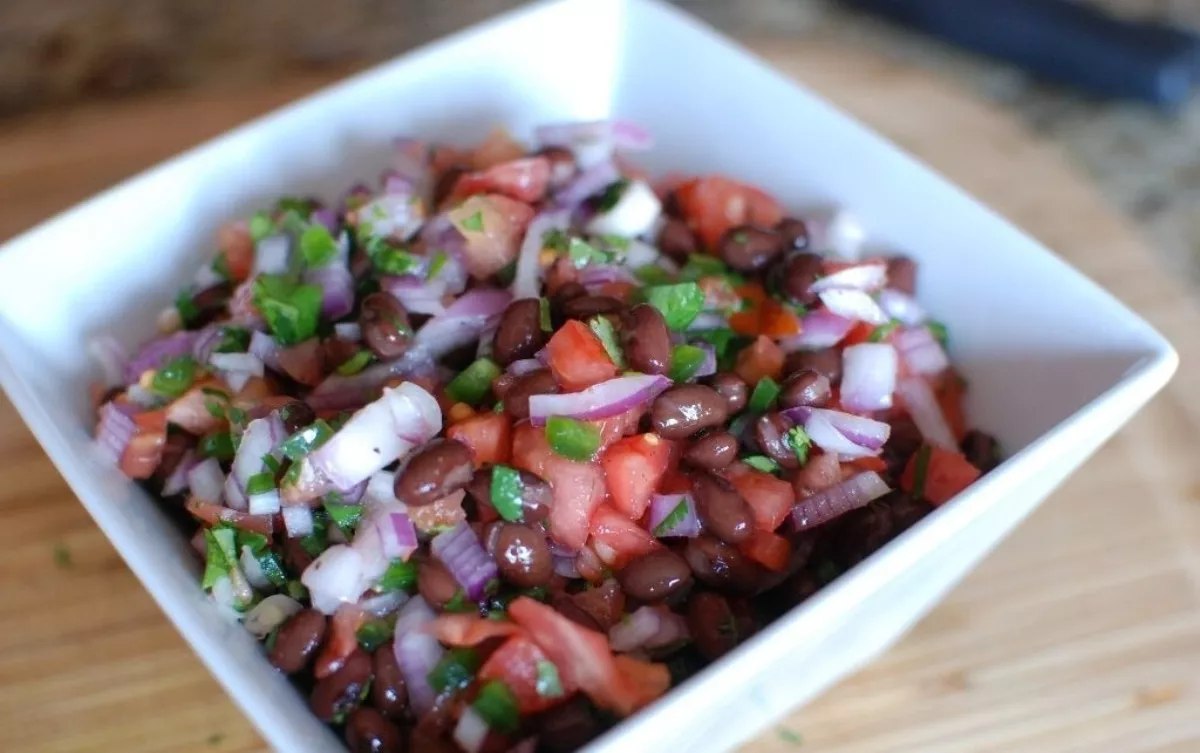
292, 310
603, 327
474, 223
798, 439
652, 274
674, 518
400, 576
261, 225
317, 246
679, 304
612, 195
498, 707
189, 312
883, 331
761, 463
173, 378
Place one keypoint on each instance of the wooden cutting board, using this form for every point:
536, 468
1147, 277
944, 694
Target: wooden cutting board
1081, 633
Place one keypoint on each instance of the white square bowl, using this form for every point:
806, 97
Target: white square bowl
1056, 364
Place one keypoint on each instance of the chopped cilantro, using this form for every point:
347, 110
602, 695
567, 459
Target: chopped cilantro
260, 483
883, 331
652, 274
218, 445
544, 321
374, 634
674, 518
292, 310
189, 312
455, 670
939, 332
612, 194
800, 442
393, 260
789, 736
581, 253
400, 576
220, 556
355, 363
474, 223
317, 246
459, 603
498, 707
679, 304
603, 327
260, 226
345, 517
438, 264
233, 340
174, 377
306, 440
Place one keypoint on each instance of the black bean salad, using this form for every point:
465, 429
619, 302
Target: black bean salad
491, 454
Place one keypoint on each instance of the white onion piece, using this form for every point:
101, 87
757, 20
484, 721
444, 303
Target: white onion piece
608, 398
265, 503
853, 304
706, 321
253, 570
236, 380
471, 731
825, 428
381, 491
902, 307
298, 520
334, 578
177, 482
416, 295
269, 614
417, 652
634, 214
247, 362
868, 277
527, 280
922, 405
261, 438
868, 376
921, 351
271, 255
385, 430
384, 604
853, 493
206, 481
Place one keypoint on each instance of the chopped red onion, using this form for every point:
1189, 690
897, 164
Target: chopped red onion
921, 351
298, 520
396, 533
157, 352
243, 362
818, 330
111, 356
265, 503
649, 627
853, 304
602, 400
847, 435
333, 578
416, 295
839, 233
206, 481
461, 324
271, 254
460, 551
471, 731
565, 566
853, 493
524, 366
662, 505
385, 430
417, 652
635, 213
527, 280
261, 438
868, 277
901, 306
264, 347
595, 140
348, 331
237, 380
384, 604
114, 432
918, 399
595, 276
326, 217
337, 289
391, 215
589, 182
177, 482
269, 613
708, 366
868, 376
207, 340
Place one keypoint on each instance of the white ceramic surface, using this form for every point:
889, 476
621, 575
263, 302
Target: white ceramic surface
1056, 365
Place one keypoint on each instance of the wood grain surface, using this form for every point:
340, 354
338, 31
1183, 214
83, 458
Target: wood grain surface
1081, 633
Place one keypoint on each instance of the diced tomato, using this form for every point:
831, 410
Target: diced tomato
578, 358
715, 204
675, 482
341, 640
745, 322
558, 273
468, 629
234, 241
617, 540
632, 469
761, 358
489, 435
446, 512
950, 396
604, 603
497, 147
582, 656
819, 473
143, 454
493, 226
516, 664
858, 334
303, 362
190, 412
647, 681
578, 488
522, 179
770, 550
213, 514
151, 421
753, 293
615, 427
947, 474
619, 290
668, 183
770, 498
777, 320
869, 463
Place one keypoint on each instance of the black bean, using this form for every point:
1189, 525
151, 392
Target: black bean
437, 469
794, 233
646, 340
656, 576
338, 693
676, 239
732, 388
682, 411
907, 510
713, 450
748, 248
297, 641
522, 556
210, 304
176, 446
770, 433
384, 325
722, 566
516, 398
799, 272
435, 583
389, 694
862, 532
712, 624
806, 388
567, 727
722, 511
981, 449
903, 441
296, 415
367, 731
519, 334
827, 362
535, 494
902, 274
